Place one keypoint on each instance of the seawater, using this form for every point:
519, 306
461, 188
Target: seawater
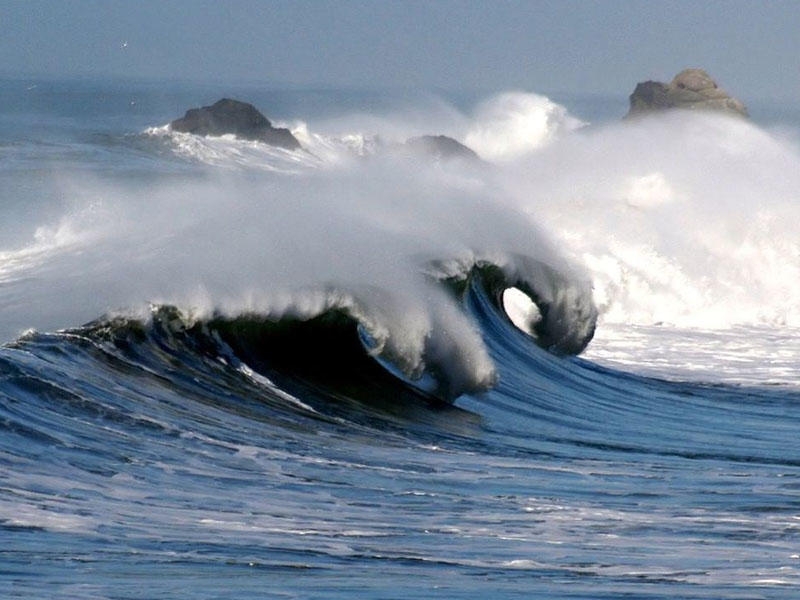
163, 452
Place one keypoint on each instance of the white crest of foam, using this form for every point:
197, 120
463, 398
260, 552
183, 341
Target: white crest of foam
228, 151
514, 123
687, 219
337, 148
52, 240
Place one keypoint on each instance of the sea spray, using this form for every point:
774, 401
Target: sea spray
363, 237
514, 123
684, 218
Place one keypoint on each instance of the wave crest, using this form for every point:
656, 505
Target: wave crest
329, 337
514, 123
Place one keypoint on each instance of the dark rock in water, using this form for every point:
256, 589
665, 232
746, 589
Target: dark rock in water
650, 95
690, 89
440, 147
239, 118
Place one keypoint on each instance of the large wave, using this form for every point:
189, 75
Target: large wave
382, 242
342, 346
684, 219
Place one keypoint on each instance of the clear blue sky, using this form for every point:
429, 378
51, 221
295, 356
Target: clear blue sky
752, 48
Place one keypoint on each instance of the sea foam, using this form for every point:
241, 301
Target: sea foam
687, 219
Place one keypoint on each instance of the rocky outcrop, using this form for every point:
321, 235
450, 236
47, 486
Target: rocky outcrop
691, 89
440, 147
245, 121
234, 117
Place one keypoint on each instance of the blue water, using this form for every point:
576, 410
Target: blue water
151, 457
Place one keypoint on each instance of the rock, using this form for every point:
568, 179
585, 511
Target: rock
440, 147
234, 117
690, 89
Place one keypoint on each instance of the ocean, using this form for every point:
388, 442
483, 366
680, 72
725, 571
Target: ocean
567, 369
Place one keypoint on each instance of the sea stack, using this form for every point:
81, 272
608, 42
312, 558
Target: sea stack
691, 89
241, 119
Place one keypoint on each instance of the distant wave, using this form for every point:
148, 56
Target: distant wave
515, 123
503, 127
228, 151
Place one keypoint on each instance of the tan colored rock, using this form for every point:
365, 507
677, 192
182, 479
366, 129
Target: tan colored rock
691, 89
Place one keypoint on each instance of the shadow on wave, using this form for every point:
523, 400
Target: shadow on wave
315, 368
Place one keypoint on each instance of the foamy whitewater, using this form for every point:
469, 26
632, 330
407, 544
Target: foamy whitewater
566, 369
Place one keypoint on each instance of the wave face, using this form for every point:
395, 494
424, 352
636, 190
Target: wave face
230, 370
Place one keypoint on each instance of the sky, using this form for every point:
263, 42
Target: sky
751, 48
